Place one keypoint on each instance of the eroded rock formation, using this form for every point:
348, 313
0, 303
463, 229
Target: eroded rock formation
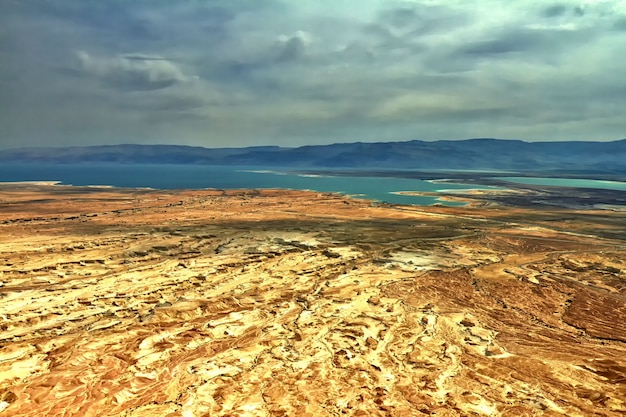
211, 303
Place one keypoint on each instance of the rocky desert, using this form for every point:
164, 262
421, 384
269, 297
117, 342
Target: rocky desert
138, 302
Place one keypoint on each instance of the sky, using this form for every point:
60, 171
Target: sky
231, 73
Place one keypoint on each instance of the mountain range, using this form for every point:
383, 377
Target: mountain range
416, 154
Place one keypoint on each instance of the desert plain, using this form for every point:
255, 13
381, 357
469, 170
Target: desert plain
130, 302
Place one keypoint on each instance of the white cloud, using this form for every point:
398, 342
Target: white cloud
134, 72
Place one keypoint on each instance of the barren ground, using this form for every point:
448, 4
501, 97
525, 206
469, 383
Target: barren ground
288, 303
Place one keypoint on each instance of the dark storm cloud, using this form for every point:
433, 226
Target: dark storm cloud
407, 26
497, 46
417, 18
555, 10
145, 58
244, 72
563, 9
292, 47
536, 42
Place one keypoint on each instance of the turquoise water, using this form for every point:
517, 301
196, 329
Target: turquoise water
198, 176
566, 182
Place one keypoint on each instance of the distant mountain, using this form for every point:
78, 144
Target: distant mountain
445, 154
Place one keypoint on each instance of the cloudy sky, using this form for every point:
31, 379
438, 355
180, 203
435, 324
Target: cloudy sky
287, 72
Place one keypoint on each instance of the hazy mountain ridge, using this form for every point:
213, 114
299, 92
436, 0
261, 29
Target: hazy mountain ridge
416, 154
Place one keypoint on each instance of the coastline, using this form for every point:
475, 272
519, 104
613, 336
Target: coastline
485, 192
30, 183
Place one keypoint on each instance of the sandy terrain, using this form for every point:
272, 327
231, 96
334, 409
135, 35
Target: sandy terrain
288, 303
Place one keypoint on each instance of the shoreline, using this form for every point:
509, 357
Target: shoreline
343, 194
30, 183
509, 194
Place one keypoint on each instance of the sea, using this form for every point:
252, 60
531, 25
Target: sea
381, 189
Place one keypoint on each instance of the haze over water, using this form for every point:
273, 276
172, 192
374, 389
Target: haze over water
569, 182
